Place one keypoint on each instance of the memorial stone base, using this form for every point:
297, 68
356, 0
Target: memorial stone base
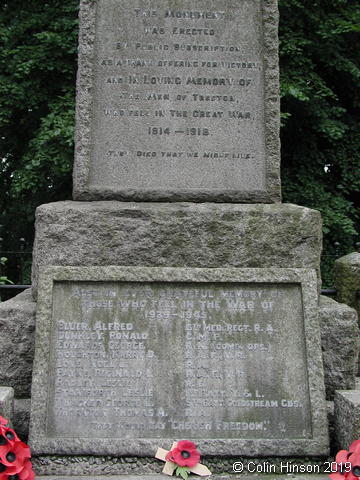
195, 235
136, 468
176, 235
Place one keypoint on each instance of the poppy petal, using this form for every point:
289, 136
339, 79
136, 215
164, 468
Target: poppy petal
27, 472
342, 456
355, 446
169, 457
186, 445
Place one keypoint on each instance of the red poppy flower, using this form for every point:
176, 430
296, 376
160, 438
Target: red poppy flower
3, 421
184, 454
7, 435
341, 458
27, 473
13, 456
3, 440
355, 467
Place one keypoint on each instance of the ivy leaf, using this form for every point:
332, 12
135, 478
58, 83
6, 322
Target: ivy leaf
182, 472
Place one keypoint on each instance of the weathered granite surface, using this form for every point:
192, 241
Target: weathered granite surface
176, 234
340, 343
7, 403
22, 417
17, 338
347, 417
138, 468
127, 150
347, 279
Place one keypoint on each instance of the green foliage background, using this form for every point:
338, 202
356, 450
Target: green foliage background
320, 90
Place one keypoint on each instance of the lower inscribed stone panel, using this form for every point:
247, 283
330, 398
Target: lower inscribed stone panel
138, 354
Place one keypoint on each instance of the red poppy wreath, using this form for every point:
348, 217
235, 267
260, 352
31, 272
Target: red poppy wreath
15, 455
182, 459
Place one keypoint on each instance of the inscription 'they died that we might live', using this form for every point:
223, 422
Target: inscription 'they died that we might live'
178, 102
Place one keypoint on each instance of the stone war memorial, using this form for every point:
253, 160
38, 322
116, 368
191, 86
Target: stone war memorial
176, 297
